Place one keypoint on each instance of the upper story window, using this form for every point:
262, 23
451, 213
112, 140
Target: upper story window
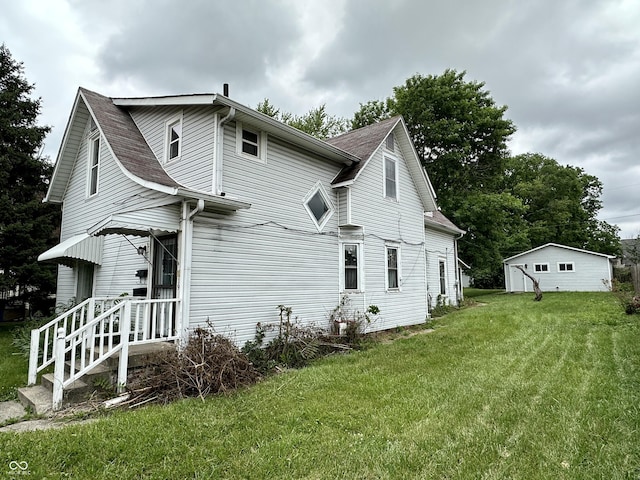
565, 267
390, 142
173, 139
94, 165
390, 178
541, 267
318, 206
251, 143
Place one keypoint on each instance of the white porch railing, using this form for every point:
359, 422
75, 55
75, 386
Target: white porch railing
96, 329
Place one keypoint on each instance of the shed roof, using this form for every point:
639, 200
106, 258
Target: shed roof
547, 245
437, 219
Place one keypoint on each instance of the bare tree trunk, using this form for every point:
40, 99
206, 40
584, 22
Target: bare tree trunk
635, 277
536, 284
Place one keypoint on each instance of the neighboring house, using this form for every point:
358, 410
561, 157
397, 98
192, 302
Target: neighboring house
559, 268
215, 214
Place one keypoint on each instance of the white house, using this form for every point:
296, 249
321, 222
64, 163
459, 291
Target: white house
559, 268
206, 212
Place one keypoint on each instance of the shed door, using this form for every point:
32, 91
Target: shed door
518, 280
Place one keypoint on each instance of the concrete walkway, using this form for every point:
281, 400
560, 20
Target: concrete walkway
14, 411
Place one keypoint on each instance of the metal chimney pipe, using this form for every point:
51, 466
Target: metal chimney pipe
225, 89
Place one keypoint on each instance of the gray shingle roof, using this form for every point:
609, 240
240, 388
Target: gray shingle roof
126, 141
362, 143
436, 217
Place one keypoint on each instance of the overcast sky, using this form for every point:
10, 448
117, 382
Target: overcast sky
569, 70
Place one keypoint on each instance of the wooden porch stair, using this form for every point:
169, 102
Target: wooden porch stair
39, 398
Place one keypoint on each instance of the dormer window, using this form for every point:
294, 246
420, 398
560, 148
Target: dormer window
173, 141
251, 143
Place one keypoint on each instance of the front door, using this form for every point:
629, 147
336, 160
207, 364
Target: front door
163, 286
165, 267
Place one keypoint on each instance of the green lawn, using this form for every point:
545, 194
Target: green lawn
511, 389
13, 367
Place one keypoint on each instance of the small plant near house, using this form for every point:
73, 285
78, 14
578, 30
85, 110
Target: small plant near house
442, 307
351, 324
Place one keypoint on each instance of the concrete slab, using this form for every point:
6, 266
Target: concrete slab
11, 411
43, 424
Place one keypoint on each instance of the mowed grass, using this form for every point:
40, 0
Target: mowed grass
13, 366
512, 389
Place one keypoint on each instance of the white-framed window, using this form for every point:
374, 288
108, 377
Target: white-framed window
319, 206
251, 143
390, 178
392, 267
566, 267
173, 139
94, 165
442, 274
390, 142
541, 267
351, 266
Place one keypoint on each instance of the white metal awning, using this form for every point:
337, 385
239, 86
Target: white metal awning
79, 247
140, 224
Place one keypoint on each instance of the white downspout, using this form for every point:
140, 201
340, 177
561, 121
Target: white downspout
186, 257
219, 149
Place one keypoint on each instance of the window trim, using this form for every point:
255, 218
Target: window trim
535, 265
178, 119
319, 188
395, 161
387, 247
572, 270
261, 144
360, 267
445, 278
93, 154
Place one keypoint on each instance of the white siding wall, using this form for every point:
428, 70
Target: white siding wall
248, 263
194, 168
440, 246
386, 220
115, 193
588, 275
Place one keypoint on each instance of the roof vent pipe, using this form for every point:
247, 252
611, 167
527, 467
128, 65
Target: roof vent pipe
225, 89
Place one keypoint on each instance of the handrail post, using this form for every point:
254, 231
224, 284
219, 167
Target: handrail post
58, 372
125, 329
34, 351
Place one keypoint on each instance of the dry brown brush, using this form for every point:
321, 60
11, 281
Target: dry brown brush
209, 364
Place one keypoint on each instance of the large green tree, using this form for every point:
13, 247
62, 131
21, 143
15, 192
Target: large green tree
27, 226
562, 203
316, 122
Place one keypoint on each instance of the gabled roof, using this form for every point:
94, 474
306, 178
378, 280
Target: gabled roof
437, 220
129, 149
547, 245
127, 143
364, 142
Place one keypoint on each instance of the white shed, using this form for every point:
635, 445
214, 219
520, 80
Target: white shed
559, 268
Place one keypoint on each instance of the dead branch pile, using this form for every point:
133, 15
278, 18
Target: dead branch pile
209, 364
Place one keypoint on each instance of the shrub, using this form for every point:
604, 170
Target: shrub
351, 324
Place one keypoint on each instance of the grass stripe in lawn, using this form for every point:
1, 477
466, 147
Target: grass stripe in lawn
512, 389
13, 366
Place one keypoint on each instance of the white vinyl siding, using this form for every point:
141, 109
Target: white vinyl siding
440, 248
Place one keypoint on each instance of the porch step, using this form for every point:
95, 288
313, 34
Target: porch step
138, 354
37, 398
100, 373
77, 391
